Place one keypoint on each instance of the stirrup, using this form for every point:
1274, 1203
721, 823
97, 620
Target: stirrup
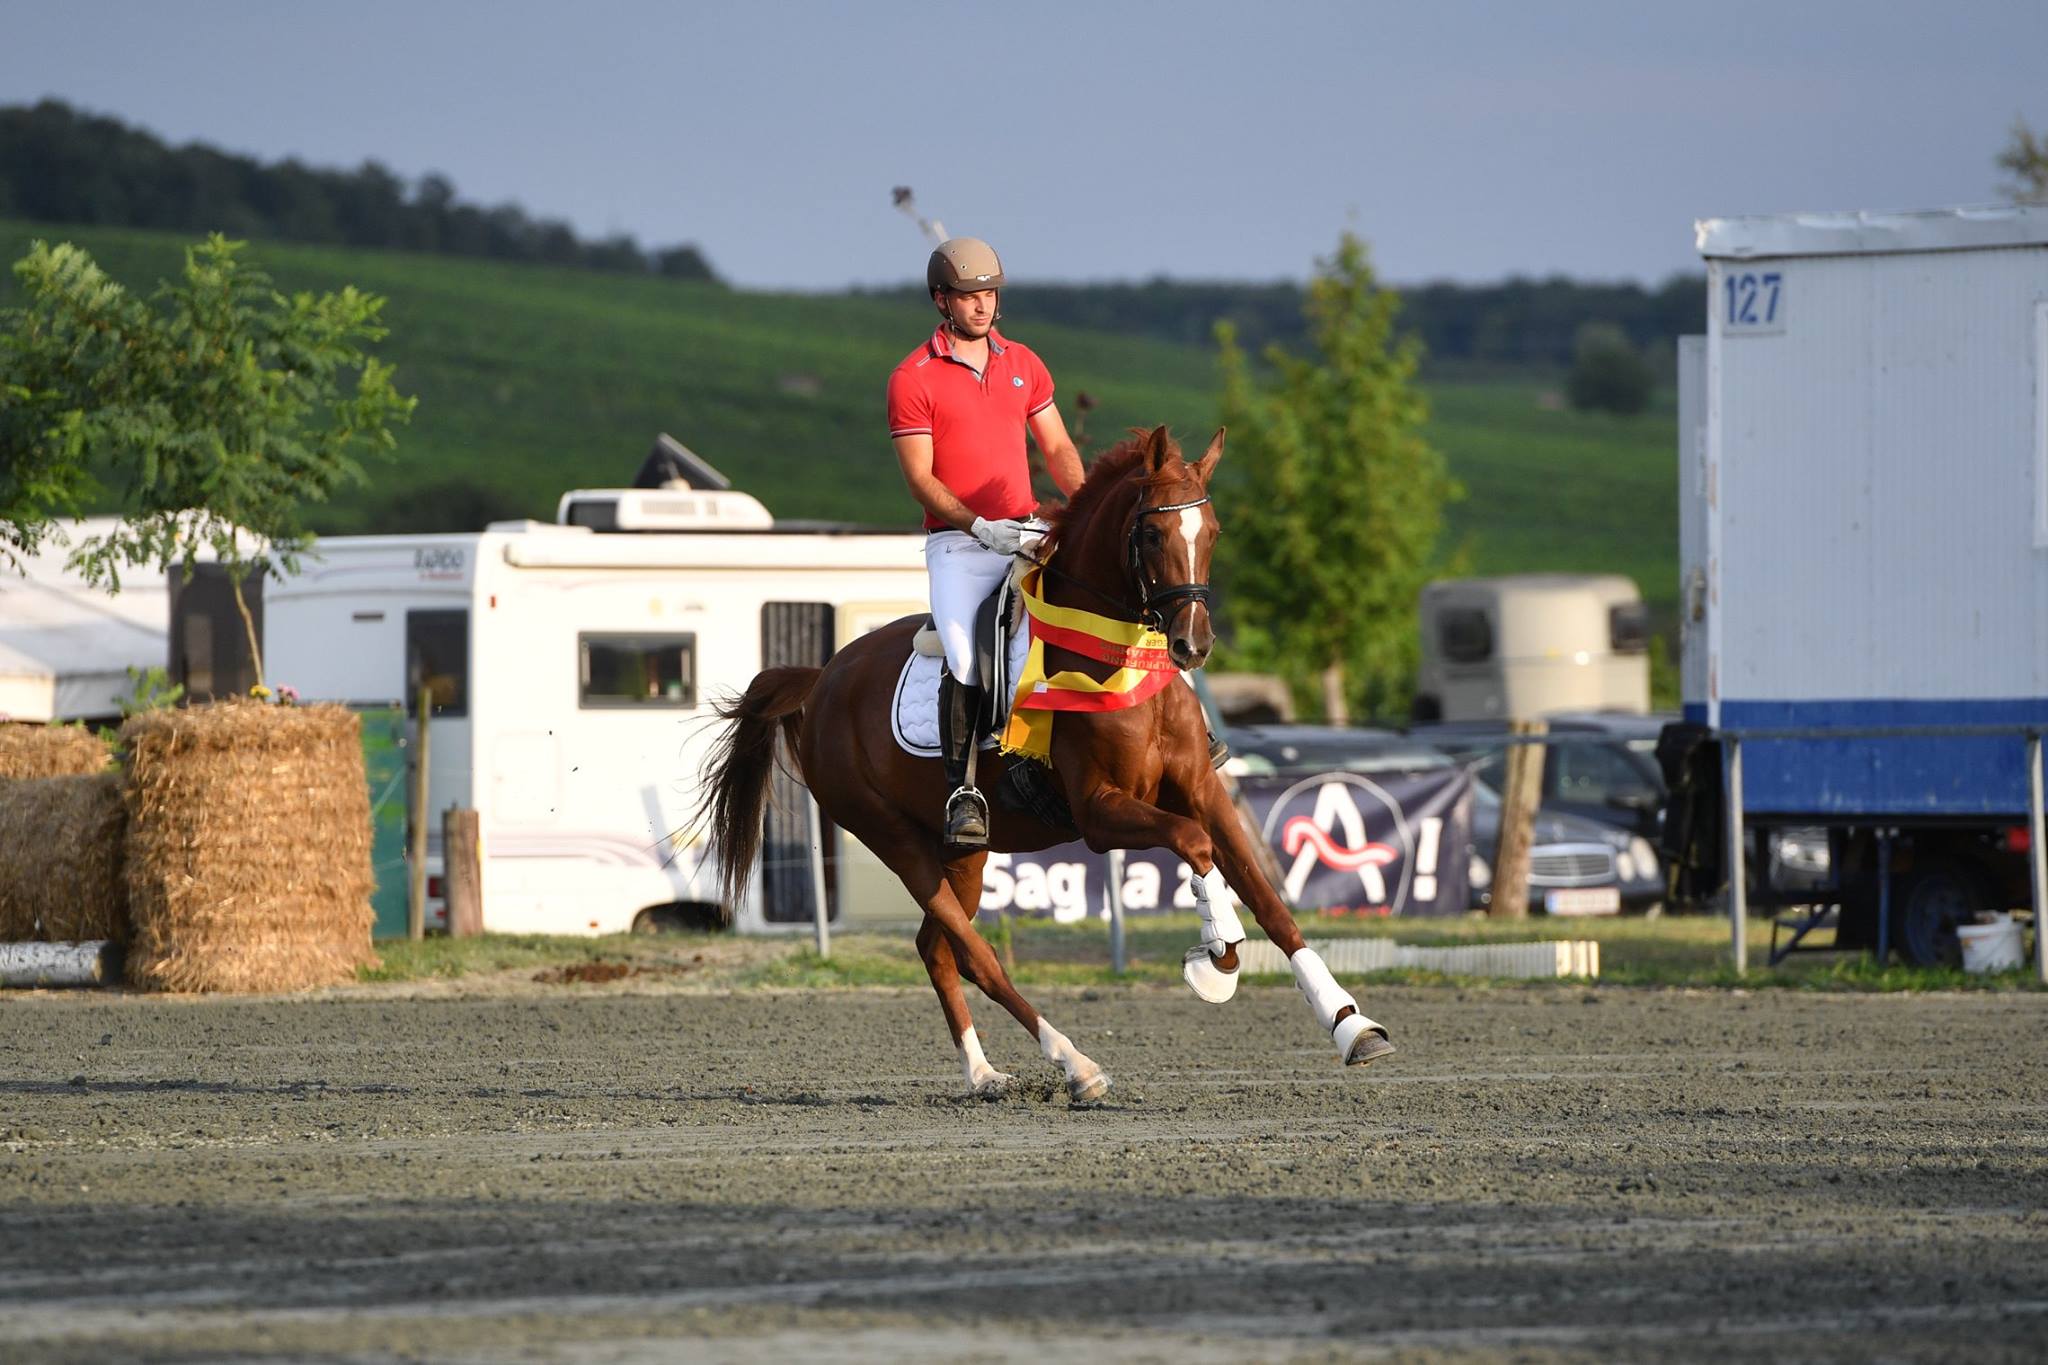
967, 818
1219, 752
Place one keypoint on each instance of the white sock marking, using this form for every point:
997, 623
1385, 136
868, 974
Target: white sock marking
971, 1059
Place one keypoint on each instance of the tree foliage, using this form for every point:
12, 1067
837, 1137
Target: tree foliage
60, 165
214, 408
1608, 373
1333, 511
2025, 159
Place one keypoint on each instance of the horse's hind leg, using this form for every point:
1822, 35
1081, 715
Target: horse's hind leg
912, 859
1086, 1081
937, 951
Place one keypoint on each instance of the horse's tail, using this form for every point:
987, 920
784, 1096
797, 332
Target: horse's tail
735, 795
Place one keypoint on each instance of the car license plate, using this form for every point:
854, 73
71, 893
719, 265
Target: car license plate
1589, 900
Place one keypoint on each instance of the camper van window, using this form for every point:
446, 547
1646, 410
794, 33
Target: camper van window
637, 670
437, 659
1465, 635
1628, 628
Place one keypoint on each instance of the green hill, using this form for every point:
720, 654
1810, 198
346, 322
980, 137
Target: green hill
534, 379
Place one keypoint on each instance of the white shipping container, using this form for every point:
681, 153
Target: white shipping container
1864, 501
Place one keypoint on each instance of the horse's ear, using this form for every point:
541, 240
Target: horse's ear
1207, 464
1158, 449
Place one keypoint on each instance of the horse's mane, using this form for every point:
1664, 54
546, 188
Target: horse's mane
1109, 470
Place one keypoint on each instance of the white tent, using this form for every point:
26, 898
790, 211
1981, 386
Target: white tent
65, 646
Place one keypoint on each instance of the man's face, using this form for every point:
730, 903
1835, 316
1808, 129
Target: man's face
971, 314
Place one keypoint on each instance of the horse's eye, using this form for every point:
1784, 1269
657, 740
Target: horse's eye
1152, 535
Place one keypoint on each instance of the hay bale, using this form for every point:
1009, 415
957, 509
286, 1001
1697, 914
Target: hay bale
61, 872
50, 751
248, 848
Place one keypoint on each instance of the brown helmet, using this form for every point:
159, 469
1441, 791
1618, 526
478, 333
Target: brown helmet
964, 265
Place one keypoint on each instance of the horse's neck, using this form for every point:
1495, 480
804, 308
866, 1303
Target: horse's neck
1094, 557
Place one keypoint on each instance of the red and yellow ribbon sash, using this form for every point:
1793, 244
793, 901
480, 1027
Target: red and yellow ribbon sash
1138, 651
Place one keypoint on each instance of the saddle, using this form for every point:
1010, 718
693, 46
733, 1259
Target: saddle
996, 621
1000, 647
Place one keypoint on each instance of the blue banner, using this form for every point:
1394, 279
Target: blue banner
1376, 844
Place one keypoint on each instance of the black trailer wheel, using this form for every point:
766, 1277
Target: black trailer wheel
1927, 905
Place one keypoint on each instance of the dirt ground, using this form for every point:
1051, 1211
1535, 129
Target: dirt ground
624, 1172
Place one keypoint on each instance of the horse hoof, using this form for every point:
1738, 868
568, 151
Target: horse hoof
1360, 1041
1205, 978
1087, 1090
994, 1086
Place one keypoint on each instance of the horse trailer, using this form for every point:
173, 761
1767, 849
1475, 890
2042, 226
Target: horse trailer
1527, 645
1863, 437
571, 671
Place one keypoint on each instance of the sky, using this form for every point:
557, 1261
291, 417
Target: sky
1464, 140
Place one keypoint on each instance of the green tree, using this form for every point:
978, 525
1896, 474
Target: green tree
1334, 508
217, 410
2025, 159
1608, 374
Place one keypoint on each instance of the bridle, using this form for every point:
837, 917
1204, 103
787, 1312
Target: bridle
1161, 604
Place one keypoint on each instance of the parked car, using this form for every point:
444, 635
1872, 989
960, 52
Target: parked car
1577, 866
1604, 768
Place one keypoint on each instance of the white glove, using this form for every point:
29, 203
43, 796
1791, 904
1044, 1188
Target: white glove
1005, 537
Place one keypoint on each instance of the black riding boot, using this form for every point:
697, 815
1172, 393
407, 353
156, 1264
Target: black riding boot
966, 809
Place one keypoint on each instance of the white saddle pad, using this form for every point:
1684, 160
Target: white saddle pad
914, 716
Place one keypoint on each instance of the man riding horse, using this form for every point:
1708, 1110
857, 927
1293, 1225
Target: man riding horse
959, 406
1117, 595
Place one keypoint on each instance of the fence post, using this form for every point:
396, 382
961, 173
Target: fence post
1115, 890
416, 901
462, 871
818, 907
2037, 856
1738, 871
1518, 802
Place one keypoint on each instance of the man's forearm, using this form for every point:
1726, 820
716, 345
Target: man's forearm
1063, 462
939, 500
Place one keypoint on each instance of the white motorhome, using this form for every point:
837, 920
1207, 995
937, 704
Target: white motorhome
1527, 645
572, 669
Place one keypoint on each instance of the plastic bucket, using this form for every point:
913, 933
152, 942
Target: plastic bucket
1993, 947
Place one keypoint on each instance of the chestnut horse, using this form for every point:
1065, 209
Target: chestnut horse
1134, 544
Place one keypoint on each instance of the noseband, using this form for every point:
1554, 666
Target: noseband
1161, 604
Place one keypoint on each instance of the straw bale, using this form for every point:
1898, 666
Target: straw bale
61, 874
248, 848
49, 751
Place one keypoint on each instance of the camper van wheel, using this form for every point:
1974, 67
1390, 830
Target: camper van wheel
678, 917
1927, 905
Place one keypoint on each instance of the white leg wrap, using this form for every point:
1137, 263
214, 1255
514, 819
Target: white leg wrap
1328, 1000
980, 1075
1325, 996
1220, 930
1220, 925
1085, 1080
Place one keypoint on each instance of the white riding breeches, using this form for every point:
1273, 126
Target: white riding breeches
963, 574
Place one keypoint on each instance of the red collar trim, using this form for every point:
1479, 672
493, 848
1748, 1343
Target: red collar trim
941, 343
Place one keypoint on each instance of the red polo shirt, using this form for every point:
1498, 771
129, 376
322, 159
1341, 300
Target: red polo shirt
976, 421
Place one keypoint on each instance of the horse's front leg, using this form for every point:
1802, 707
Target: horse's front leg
1116, 819
1359, 1040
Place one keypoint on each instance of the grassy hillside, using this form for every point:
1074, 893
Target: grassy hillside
532, 380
